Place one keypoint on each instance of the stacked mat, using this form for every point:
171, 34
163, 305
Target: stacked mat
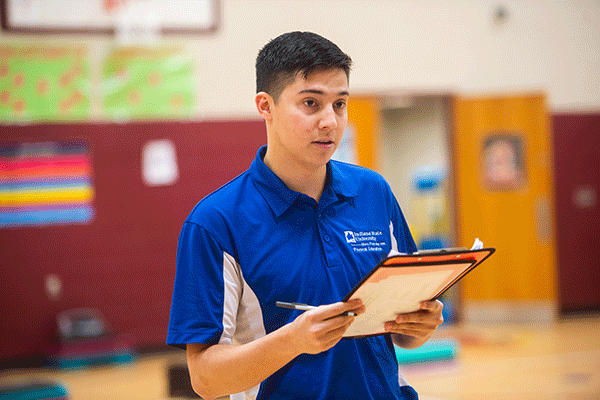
34, 391
84, 341
101, 350
432, 351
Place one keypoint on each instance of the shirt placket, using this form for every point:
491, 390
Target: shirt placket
330, 244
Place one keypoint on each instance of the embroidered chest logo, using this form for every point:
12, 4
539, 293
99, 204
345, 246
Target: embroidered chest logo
365, 240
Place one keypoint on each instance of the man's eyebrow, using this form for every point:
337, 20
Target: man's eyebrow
322, 93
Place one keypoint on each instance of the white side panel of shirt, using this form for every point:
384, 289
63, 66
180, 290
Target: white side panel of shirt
242, 315
394, 250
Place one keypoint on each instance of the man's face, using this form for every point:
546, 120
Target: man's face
309, 119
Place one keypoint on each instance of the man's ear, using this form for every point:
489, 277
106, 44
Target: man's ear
264, 104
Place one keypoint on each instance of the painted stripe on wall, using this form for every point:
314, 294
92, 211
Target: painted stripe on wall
81, 214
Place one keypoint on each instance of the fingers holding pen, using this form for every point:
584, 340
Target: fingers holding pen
351, 308
321, 328
334, 317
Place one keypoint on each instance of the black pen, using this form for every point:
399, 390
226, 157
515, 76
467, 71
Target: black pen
306, 307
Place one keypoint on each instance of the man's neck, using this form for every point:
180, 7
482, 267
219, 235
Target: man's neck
310, 182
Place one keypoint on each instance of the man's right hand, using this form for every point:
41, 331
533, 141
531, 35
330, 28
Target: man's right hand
319, 329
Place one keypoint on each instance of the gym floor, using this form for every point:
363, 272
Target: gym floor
554, 361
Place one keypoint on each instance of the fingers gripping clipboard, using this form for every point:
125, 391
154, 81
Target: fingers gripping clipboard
399, 283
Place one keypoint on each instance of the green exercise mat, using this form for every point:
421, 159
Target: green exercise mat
433, 350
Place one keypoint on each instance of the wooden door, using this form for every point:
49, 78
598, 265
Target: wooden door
503, 182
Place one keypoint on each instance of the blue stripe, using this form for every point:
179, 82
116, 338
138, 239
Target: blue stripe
41, 184
63, 216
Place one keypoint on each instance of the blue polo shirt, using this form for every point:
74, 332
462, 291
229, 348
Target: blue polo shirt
254, 242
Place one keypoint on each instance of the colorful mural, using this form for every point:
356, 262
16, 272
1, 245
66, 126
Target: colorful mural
45, 183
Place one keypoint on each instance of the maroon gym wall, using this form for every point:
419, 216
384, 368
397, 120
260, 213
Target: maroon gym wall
577, 173
123, 262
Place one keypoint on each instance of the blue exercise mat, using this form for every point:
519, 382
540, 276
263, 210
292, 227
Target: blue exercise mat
34, 391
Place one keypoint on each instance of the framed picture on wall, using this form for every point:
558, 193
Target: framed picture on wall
503, 161
168, 17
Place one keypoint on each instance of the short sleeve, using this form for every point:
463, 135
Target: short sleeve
197, 307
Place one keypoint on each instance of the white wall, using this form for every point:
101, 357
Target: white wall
412, 137
439, 46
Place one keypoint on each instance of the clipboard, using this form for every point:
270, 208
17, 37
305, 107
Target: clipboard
399, 283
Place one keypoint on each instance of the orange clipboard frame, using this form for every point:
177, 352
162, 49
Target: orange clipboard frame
459, 262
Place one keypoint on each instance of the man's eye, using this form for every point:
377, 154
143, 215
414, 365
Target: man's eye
310, 103
340, 104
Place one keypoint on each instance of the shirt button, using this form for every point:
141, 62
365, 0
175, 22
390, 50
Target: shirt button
326, 238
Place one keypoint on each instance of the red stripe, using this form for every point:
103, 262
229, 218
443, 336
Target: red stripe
33, 162
41, 171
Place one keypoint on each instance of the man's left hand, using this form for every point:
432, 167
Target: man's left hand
413, 329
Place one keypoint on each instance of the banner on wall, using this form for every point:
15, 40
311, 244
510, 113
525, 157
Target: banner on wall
45, 183
147, 83
43, 83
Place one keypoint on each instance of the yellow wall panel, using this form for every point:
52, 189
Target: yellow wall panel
364, 116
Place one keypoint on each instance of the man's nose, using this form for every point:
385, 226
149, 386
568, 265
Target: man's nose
328, 118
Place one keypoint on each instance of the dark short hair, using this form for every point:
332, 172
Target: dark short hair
280, 60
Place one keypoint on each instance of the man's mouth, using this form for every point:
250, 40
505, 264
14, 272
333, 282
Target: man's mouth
323, 142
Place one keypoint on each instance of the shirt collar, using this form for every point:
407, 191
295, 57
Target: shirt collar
280, 197
342, 184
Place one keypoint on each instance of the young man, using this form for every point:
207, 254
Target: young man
282, 231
